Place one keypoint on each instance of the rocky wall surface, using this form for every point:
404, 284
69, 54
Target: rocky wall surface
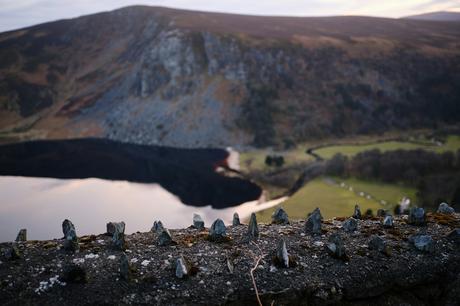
365, 260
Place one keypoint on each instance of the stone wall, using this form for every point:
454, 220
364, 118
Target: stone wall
364, 260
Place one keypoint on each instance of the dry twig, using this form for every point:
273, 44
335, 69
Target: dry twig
252, 274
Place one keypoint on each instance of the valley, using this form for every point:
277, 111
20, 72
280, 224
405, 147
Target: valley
331, 193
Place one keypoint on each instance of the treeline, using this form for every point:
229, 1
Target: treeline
274, 160
436, 176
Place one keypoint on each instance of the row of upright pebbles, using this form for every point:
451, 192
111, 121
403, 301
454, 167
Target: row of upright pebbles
218, 233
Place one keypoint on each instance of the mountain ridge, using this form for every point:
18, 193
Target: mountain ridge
184, 78
437, 16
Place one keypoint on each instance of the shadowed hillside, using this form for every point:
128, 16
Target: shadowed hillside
161, 76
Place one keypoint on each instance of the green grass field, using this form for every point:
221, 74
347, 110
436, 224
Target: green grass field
335, 200
390, 193
255, 160
452, 144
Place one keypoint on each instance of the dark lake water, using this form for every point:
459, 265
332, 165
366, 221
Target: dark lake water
92, 181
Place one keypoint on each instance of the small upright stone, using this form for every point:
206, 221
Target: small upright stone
388, 221
357, 212
12, 252
70, 236
313, 223
71, 241
279, 216
67, 225
381, 213
113, 226
157, 227
183, 267
218, 231
379, 244
236, 220
164, 238
198, 222
125, 269
444, 208
350, 225
230, 265
253, 229
416, 216
22, 235
423, 243
118, 238
336, 247
282, 255
369, 213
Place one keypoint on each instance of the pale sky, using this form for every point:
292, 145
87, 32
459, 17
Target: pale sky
16, 14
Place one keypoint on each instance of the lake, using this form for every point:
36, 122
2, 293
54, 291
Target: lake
94, 181
41, 204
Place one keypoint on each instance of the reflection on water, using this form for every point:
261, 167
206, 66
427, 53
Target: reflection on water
188, 173
41, 204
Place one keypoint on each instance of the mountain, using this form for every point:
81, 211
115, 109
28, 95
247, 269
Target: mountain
154, 75
437, 16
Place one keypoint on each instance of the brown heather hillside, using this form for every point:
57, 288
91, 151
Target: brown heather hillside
182, 78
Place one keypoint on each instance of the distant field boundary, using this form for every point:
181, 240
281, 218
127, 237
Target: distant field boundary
311, 151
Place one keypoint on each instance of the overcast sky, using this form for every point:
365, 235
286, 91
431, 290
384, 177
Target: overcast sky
20, 13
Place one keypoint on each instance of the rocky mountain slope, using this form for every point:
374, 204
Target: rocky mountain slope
161, 76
